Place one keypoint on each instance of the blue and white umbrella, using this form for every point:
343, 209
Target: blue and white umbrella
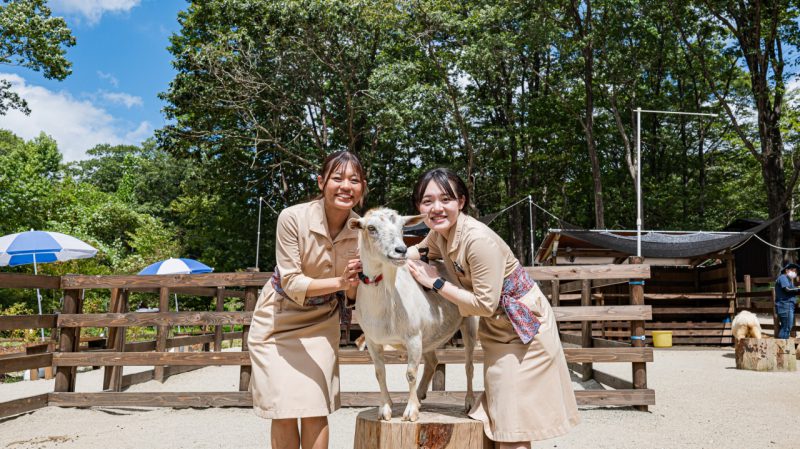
177, 266
35, 247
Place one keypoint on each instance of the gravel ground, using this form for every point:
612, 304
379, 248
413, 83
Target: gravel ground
698, 405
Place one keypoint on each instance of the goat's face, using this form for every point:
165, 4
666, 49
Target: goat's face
382, 234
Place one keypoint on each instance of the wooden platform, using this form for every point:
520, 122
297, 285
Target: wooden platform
438, 427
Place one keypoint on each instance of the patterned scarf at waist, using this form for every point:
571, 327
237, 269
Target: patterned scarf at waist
515, 286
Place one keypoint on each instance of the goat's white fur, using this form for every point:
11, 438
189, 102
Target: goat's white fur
398, 312
745, 325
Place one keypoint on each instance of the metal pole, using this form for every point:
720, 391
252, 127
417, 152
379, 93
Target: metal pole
38, 295
638, 182
258, 235
530, 215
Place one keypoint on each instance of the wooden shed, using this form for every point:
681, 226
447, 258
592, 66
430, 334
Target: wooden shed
692, 288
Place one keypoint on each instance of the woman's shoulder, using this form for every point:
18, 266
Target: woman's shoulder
299, 209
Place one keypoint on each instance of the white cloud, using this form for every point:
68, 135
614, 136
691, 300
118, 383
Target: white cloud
108, 77
76, 125
92, 10
122, 98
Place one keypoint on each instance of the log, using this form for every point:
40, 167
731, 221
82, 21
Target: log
438, 427
766, 354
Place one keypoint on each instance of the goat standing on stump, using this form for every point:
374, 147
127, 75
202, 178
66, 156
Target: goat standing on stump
394, 310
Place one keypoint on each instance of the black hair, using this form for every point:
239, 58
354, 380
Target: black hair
343, 159
446, 179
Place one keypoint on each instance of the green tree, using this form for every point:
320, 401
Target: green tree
30, 37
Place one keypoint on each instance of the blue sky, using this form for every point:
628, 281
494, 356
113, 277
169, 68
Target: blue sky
120, 64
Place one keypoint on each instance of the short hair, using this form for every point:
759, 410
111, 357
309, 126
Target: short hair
446, 179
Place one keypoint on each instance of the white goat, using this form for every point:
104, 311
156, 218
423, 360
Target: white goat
396, 311
745, 325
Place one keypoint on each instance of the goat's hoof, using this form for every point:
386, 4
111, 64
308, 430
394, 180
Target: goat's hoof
469, 401
386, 412
422, 395
411, 413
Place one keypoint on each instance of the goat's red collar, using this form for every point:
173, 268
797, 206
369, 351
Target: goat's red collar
369, 281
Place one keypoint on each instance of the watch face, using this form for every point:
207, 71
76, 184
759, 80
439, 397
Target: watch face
438, 283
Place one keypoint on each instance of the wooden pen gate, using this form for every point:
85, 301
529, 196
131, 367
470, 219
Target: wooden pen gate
68, 354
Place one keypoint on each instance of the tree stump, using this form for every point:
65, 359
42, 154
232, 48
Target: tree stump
766, 354
438, 427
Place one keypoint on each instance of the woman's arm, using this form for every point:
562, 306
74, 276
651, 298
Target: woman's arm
487, 269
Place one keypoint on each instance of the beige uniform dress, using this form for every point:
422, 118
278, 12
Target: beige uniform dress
528, 392
294, 347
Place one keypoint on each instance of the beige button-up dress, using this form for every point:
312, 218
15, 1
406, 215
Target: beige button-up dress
527, 388
295, 348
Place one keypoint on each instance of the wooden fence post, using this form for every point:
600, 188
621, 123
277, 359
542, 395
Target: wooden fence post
67, 342
748, 287
638, 333
162, 332
250, 298
555, 296
116, 337
111, 335
586, 327
220, 306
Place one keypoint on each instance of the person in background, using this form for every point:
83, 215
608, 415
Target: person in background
786, 299
528, 392
294, 336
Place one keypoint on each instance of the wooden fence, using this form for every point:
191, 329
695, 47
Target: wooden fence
118, 353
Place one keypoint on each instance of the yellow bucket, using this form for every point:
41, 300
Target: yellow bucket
662, 339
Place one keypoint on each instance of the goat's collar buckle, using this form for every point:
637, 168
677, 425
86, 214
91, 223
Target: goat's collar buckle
368, 281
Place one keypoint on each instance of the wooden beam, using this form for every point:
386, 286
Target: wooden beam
612, 381
24, 405
153, 319
346, 357
254, 279
150, 358
586, 327
579, 272
13, 322
219, 307
15, 280
349, 399
162, 333
603, 313
13, 363
68, 342
193, 291
251, 296
639, 369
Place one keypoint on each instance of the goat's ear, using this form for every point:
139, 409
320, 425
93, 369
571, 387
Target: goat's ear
411, 220
355, 223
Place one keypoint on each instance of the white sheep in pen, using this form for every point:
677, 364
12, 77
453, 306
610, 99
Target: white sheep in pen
745, 325
393, 309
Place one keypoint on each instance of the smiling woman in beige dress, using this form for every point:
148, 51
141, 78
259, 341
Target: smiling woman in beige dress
527, 388
294, 337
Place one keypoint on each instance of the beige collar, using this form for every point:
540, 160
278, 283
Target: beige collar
318, 222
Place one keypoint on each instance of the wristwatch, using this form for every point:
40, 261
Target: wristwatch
437, 284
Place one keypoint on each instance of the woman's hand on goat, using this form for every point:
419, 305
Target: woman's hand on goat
422, 272
350, 275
